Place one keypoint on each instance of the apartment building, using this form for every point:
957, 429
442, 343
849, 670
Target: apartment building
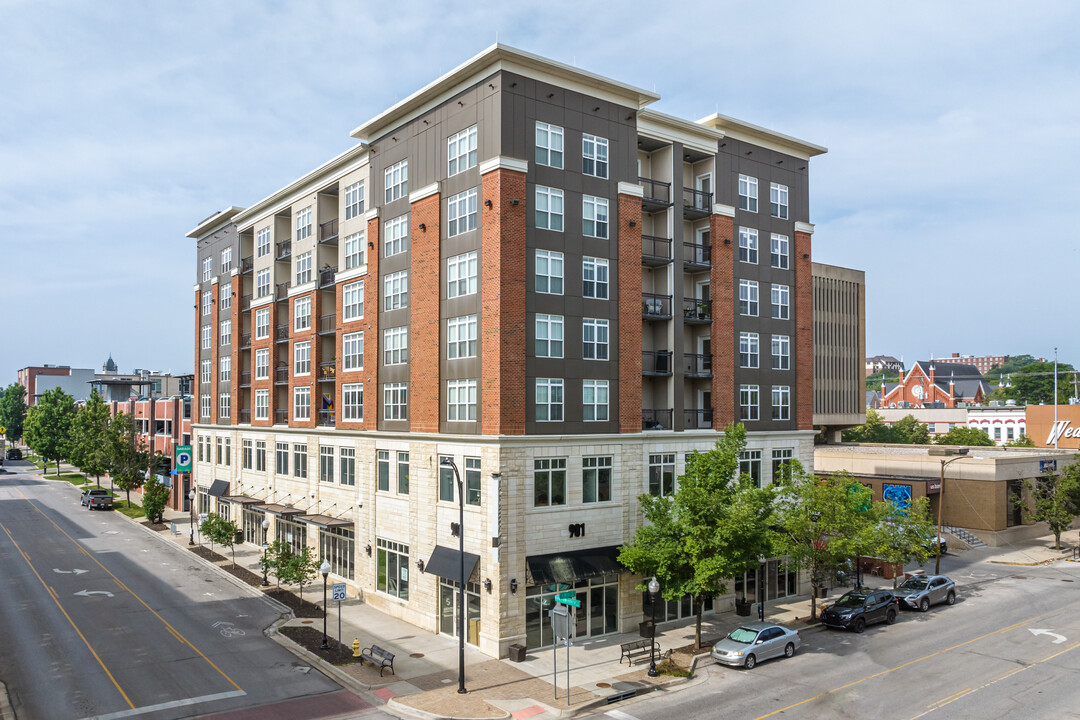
525, 271
162, 424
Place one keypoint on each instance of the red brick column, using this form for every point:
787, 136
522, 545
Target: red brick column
722, 334
237, 290
198, 369
629, 268
370, 326
424, 291
804, 333
215, 351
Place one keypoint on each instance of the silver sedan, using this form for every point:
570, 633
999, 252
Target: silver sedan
922, 591
753, 642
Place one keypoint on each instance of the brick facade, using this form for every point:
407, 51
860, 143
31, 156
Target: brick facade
804, 333
629, 294
424, 292
722, 339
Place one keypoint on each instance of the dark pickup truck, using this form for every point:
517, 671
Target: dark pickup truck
97, 499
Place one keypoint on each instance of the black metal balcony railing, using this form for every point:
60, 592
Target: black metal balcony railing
328, 231
697, 419
697, 254
245, 378
247, 264
697, 365
327, 324
696, 310
281, 290
281, 333
326, 418
284, 249
245, 416
696, 202
656, 419
281, 417
245, 340
327, 371
281, 375
656, 194
245, 302
326, 276
655, 362
656, 306
655, 250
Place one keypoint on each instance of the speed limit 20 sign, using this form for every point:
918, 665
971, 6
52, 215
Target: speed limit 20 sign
183, 458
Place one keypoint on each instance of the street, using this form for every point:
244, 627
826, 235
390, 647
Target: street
102, 620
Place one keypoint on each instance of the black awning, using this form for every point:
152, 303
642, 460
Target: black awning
568, 567
240, 499
282, 510
219, 488
325, 521
446, 563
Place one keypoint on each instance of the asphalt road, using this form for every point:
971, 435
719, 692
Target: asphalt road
977, 659
101, 620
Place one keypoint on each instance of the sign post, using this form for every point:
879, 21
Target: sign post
339, 595
565, 600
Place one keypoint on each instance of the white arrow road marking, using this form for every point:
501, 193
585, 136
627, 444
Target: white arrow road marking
88, 593
1058, 639
68, 572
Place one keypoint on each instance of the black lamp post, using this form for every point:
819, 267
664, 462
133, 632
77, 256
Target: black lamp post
325, 570
266, 528
654, 596
191, 507
449, 462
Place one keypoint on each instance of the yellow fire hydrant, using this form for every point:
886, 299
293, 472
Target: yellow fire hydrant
356, 647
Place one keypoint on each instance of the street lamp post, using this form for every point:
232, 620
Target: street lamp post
191, 507
266, 528
941, 509
654, 596
325, 570
449, 462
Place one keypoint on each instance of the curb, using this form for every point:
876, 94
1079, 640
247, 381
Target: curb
6, 711
401, 709
343, 678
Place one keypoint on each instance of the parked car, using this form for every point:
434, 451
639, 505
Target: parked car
859, 608
14, 454
922, 591
101, 494
937, 544
750, 643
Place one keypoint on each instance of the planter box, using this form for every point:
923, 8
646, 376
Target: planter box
742, 608
517, 652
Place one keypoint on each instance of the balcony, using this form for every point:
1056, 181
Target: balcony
326, 418
695, 310
656, 419
281, 333
245, 416
245, 378
697, 204
697, 256
281, 290
245, 340
281, 417
327, 324
697, 419
284, 249
247, 264
655, 251
697, 365
328, 231
656, 196
281, 375
656, 363
327, 371
326, 276
245, 302
655, 307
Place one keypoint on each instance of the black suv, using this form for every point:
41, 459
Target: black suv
859, 608
14, 454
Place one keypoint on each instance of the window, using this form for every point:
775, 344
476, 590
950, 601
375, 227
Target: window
549, 482
594, 213
262, 323
224, 406
302, 403
392, 572
780, 299
299, 460
549, 145
395, 236
219, 454
396, 290
246, 455
461, 337
348, 466
662, 474
302, 313
461, 151
461, 401
206, 374
226, 260
594, 156
748, 298
472, 481
262, 242
549, 272
781, 352
352, 398
282, 457
461, 275
461, 213
596, 479
395, 401
352, 347
748, 350
594, 277
750, 464
549, 400
748, 245
403, 473
225, 368
302, 358
326, 464
396, 346
207, 268
549, 208
594, 399
446, 480
262, 283
303, 268
781, 402
549, 336
779, 252
778, 201
355, 251
338, 547
748, 402
781, 464
260, 456
748, 193
396, 181
207, 296
594, 336
383, 465
303, 224
352, 298
226, 333
354, 200
262, 404
225, 297
207, 335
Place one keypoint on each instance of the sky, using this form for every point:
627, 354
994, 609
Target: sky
951, 128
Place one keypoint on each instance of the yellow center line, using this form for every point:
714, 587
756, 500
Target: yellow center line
77, 630
945, 701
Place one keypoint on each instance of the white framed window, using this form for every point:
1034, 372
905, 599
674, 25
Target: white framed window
748, 298
461, 337
662, 474
748, 193
225, 368
207, 268
302, 358
281, 457
461, 151
779, 251
594, 216
262, 323
352, 348
594, 156
262, 364
549, 272
207, 335
262, 283
395, 236
549, 208
226, 260
225, 298
461, 401
549, 336
356, 251
396, 290
396, 181
748, 245
549, 145
781, 402
326, 463
549, 482
750, 465
226, 333
205, 372
224, 406
207, 296
461, 213
352, 300
781, 352
352, 400
748, 350
778, 201
303, 224
748, 402
549, 399
594, 400
302, 403
594, 336
594, 278
781, 463
396, 346
204, 408
262, 242
395, 401
461, 275
262, 404
596, 479
354, 200
304, 273
781, 300
302, 313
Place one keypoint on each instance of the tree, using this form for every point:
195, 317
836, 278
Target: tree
964, 435
282, 566
305, 566
1056, 500
13, 411
155, 498
873, 431
48, 426
268, 561
1034, 383
1013, 364
128, 457
902, 535
714, 526
910, 431
219, 531
1022, 441
89, 441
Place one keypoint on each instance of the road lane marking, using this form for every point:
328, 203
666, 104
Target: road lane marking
76, 627
1058, 639
620, 715
168, 705
88, 593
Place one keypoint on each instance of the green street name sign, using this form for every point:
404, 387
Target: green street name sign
568, 598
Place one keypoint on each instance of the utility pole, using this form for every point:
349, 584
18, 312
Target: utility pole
1055, 397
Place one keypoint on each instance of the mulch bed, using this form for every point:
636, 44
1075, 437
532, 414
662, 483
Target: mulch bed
157, 526
310, 638
241, 572
205, 553
306, 609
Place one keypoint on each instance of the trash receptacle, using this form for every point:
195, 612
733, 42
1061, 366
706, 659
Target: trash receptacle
517, 653
742, 608
239, 536
646, 629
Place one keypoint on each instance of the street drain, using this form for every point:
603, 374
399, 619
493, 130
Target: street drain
416, 655
1067, 580
603, 685
307, 622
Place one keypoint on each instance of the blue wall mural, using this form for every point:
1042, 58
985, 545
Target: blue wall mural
898, 495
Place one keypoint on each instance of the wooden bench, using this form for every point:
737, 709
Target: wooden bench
378, 657
638, 650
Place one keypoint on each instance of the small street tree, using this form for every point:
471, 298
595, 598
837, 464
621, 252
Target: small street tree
128, 458
13, 411
1055, 500
48, 426
305, 568
902, 535
89, 437
270, 557
282, 565
219, 531
155, 498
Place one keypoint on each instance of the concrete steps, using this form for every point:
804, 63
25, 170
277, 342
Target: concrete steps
964, 535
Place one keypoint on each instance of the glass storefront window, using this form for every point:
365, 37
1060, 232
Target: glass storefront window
598, 614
